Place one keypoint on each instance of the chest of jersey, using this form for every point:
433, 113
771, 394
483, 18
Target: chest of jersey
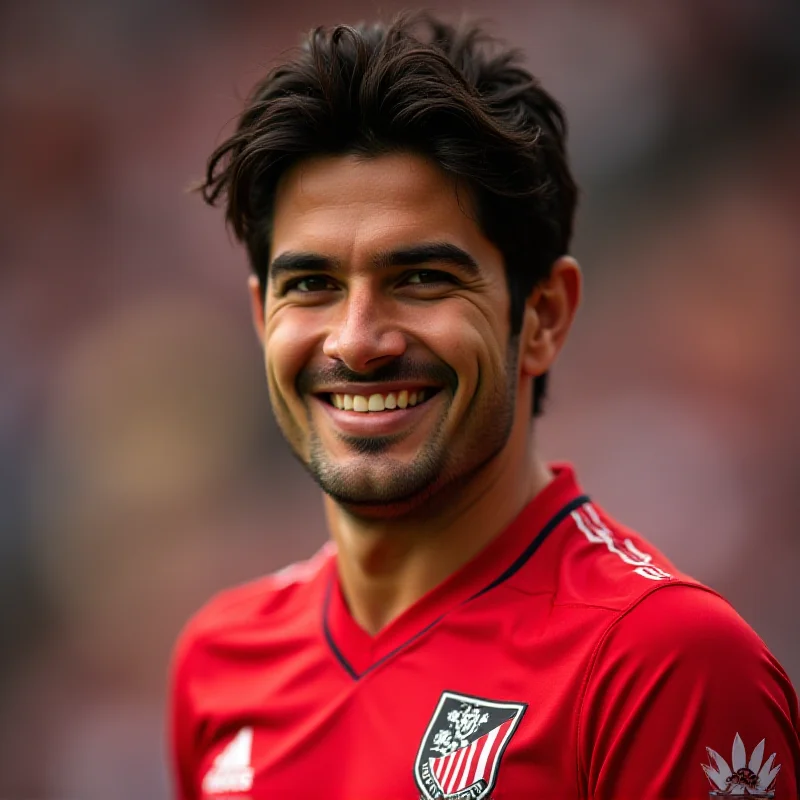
477, 706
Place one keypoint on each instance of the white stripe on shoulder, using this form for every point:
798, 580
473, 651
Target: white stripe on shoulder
594, 529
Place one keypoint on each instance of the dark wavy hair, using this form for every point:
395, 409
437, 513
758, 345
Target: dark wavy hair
450, 93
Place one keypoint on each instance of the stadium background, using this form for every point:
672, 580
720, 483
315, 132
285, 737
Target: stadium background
140, 469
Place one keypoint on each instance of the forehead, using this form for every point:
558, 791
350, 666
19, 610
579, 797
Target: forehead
345, 203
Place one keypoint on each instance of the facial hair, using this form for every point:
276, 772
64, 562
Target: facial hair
377, 479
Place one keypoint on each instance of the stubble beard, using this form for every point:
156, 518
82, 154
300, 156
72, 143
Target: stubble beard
380, 484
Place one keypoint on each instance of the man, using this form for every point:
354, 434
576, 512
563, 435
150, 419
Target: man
478, 627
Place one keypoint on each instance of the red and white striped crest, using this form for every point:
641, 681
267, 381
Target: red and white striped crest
460, 753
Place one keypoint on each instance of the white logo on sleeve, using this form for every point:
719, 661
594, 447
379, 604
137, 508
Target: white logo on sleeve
743, 777
232, 770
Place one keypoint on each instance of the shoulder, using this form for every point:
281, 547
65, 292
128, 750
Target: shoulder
686, 645
212, 657
687, 627
604, 564
674, 679
270, 602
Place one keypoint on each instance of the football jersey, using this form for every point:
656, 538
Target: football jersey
567, 660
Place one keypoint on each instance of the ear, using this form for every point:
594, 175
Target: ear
548, 315
256, 306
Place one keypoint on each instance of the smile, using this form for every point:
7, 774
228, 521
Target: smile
380, 402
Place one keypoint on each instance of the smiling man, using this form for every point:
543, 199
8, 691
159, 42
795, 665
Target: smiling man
478, 627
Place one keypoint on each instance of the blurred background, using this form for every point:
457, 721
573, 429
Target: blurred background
140, 469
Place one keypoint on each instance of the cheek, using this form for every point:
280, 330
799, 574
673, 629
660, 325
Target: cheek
289, 344
469, 330
472, 342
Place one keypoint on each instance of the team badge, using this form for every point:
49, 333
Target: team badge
460, 753
748, 777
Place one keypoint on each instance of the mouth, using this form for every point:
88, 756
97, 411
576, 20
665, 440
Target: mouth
380, 402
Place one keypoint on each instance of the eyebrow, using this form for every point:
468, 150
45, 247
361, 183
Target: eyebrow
434, 252
299, 262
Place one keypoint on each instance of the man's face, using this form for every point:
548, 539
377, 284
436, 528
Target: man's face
386, 331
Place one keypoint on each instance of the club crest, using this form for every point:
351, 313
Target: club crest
460, 753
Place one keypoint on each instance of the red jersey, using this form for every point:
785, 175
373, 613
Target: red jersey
567, 660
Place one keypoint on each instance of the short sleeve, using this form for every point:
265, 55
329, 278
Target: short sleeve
683, 699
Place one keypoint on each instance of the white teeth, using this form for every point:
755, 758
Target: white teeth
377, 402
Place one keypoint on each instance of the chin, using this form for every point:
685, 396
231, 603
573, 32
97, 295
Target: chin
388, 509
379, 500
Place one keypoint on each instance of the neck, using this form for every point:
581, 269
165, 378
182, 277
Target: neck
387, 565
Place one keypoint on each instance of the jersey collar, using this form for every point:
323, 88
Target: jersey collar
358, 652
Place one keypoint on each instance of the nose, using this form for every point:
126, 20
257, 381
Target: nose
365, 337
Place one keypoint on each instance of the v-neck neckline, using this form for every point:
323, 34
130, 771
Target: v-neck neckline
359, 652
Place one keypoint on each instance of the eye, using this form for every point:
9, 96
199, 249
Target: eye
309, 284
429, 277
